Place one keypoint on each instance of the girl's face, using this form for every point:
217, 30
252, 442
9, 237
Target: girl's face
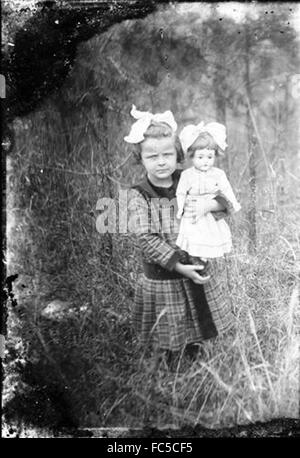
204, 159
159, 157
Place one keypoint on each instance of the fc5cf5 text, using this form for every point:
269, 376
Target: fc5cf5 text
168, 447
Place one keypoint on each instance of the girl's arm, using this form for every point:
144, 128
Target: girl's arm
199, 206
214, 205
220, 206
146, 226
225, 208
153, 246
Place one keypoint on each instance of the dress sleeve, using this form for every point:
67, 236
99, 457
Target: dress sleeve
146, 228
227, 193
181, 192
183, 184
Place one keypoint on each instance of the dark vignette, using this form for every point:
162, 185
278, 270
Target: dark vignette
30, 78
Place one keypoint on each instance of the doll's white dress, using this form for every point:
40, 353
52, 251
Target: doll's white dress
207, 237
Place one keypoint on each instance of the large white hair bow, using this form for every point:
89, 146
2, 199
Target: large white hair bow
144, 119
189, 134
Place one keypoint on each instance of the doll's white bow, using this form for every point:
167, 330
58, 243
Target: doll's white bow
144, 119
189, 134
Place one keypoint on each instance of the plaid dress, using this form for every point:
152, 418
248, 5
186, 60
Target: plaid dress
164, 310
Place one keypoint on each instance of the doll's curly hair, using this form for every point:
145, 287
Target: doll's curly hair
159, 130
204, 140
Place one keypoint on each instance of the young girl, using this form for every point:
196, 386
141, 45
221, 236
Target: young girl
204, 236
173, 306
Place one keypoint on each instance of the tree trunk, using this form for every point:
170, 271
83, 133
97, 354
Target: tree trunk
251, 140
174, 102
220, 101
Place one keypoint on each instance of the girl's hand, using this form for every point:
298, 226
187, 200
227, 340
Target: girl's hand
190, 271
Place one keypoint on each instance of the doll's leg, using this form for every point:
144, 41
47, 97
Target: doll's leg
170, 359
194, 351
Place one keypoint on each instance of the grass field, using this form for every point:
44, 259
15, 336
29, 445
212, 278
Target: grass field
73, 359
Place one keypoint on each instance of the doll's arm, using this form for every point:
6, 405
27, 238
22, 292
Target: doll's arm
180, 204
227, 191
181, 193
146, 229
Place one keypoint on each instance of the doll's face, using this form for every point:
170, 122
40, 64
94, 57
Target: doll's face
159, 157
204, 159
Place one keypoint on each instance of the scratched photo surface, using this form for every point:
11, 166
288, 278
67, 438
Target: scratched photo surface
73, 364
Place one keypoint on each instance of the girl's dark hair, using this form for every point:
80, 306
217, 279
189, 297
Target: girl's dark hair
204, 140
159, 130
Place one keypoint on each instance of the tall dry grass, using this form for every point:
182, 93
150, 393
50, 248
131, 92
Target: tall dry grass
81, 364
84, 367
250, 375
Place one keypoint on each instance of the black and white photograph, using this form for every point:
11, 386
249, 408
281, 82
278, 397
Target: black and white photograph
150, 219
